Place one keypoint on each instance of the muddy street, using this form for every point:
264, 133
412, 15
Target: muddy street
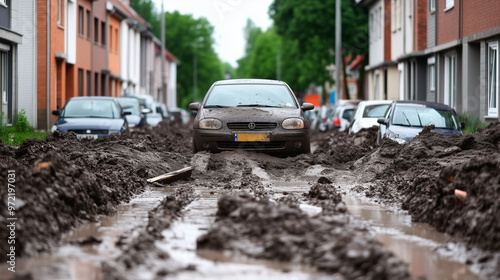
349, 210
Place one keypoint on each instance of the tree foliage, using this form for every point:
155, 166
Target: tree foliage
189, 39
147, 10
308, 27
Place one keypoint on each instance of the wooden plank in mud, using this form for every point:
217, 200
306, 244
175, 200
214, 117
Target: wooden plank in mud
173, 176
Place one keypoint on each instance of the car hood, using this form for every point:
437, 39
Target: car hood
245, 114
407, 133
65, 124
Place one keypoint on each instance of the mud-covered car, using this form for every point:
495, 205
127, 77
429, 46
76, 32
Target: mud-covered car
251, 114
92, 117
406, 119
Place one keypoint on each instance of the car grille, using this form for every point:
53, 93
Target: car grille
251, 145
258, 125
92, 131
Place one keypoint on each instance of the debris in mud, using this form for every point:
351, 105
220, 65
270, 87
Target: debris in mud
264, 229
62, 181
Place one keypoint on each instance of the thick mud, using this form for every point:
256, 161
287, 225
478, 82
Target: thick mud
61, 182
287, 210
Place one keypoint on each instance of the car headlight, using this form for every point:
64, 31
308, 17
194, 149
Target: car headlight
395, 137
293, 123
54, 128
210, 124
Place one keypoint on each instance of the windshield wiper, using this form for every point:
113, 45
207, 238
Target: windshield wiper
216, 106
258, 105
419, 120
404, 115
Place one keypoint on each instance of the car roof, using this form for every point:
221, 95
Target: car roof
93, 97
249, 81
423, 103
375, 102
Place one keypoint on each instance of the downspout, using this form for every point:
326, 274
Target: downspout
92, 42
48, 65
435, 54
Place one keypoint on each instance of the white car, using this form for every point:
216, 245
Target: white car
367, 113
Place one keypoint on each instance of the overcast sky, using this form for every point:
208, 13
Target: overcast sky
229, 18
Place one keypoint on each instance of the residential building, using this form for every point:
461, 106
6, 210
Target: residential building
382, 69
17, 57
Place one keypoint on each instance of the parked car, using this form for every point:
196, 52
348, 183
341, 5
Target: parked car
91, 117
136, 118
251, 114
342, 117
165, 113
367, 113
406, 119
154, 117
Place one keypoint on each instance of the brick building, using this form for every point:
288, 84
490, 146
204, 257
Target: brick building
446, 51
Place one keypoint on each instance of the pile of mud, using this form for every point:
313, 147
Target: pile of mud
424, 173
62, 181
338, 148
266, 229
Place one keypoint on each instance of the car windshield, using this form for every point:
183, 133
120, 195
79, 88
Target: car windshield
91, 108
375, 111
250, 95
422, 116
130, 105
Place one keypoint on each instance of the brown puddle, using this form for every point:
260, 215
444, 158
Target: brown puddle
84, 262
414, 243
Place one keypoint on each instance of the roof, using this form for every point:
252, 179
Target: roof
131, 13
249, 81
94, 97
423, 103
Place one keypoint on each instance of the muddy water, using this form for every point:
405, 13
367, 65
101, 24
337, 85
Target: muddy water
84, 262
180, 243
414, 243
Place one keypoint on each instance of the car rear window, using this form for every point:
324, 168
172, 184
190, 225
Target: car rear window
422, 116
250, 95
348, 114
375, 111
91, 108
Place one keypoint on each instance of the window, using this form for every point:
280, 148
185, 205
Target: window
380, 23
117, 43
493, 79
96, 84
88, 83
432, 5
88, 24
449, 81
432, 73
80, 20
396, 15
103, 33
96, 30
103, 84
371, 27
449, 4
111, 39
376, 85
59, 15
80, 82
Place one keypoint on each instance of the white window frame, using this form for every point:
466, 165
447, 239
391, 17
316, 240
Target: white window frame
59, 12
448, 4
432, 73
492, 80
432, 6
3, 3
450, 71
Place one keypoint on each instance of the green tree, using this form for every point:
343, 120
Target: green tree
189, 39
311, 26
147, 10
251, 32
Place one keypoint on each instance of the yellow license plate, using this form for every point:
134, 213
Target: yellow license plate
251, 137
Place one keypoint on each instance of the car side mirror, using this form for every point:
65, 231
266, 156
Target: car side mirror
195, 106
382, 121
307, 106
462, 125
56, 112
146, 111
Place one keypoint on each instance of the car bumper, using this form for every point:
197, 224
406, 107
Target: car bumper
280, 142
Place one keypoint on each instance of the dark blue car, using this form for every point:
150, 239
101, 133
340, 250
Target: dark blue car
405, 120
91, 117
